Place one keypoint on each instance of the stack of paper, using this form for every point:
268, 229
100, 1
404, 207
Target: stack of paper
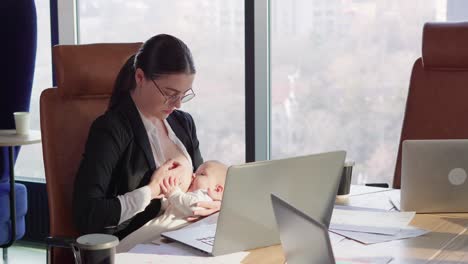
373, 226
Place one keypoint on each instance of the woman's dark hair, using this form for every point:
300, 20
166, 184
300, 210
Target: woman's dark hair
159, 55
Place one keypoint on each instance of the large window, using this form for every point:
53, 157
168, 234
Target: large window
340, 76
214, 31
29, 162
339, 70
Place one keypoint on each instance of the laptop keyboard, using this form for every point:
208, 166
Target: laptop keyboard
207, 240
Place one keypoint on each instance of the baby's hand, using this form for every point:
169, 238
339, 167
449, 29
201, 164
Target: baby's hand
169, 185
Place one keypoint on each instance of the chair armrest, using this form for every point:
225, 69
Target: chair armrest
381, 185
58, 241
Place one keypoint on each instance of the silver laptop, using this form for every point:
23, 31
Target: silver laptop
303, 239
434, 176
246, 219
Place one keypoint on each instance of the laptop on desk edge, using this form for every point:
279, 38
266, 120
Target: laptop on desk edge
434, 176
309, 182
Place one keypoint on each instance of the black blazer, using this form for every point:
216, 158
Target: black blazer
118, 159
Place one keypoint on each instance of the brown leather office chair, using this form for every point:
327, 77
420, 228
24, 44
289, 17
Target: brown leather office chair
437, 103
85, 77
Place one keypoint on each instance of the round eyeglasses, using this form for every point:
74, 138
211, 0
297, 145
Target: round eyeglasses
172, 99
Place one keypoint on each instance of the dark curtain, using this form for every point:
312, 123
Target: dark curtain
18, 31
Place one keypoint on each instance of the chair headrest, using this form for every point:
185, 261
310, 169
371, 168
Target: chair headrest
89, 70
445, 45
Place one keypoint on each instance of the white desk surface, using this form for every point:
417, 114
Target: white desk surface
447, 243
9, 138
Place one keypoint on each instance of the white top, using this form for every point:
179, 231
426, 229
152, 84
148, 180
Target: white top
136, 201
153, 136
9, 138
177, 208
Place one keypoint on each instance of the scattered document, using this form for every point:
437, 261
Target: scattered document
132, 258
175, 249
370, 238
335, 238
371, 218
369, 260
390, 231
358, 208
373, 226
362, 228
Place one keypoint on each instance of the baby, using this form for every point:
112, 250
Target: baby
177, 205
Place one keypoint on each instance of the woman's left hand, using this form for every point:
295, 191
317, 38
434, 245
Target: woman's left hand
208, 207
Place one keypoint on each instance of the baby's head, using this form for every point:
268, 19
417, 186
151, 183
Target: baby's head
211, 174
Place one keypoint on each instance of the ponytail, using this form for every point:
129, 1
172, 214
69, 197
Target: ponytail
124, 83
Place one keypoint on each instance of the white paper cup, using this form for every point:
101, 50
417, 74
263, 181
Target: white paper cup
21, 122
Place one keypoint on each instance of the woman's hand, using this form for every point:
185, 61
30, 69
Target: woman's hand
169, 168
169, 185
208, 207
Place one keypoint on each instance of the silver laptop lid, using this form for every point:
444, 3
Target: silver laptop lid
246, 219
433, 176
303, 239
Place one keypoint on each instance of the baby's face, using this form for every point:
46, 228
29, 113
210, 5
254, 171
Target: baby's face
208, 175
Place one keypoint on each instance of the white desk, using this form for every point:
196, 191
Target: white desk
447, 243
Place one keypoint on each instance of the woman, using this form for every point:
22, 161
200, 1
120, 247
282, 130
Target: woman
140, 140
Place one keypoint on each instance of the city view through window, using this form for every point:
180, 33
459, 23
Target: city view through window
340, 76
339, 71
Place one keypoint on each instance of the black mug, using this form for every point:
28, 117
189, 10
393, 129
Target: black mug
95, 249
345, 182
